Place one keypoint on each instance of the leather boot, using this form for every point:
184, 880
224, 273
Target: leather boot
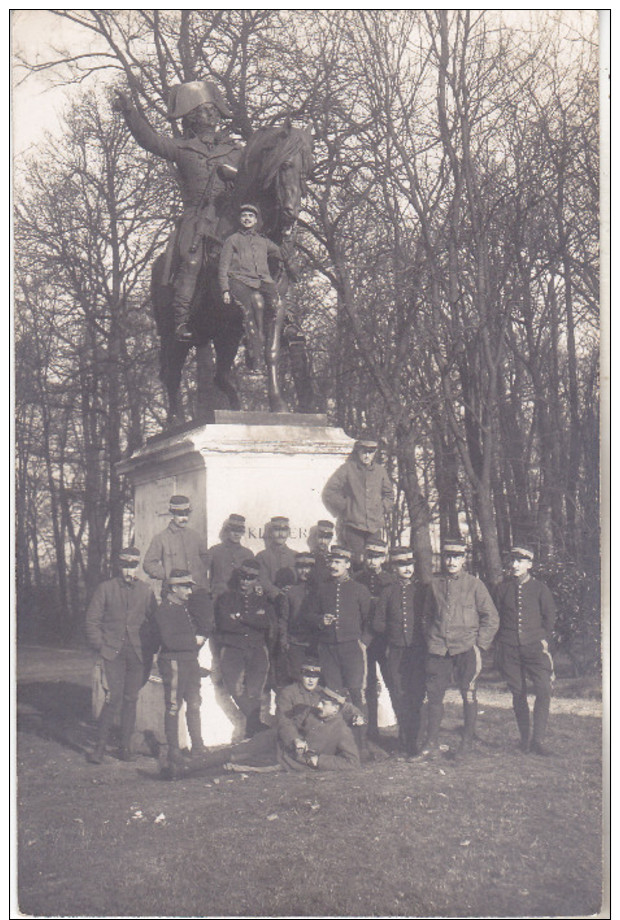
522, 715
106, 719
430, 748
194, 728
541, 717
128, 722
470, 713
272, 359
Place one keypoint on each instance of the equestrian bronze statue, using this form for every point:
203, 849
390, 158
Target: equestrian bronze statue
216, 175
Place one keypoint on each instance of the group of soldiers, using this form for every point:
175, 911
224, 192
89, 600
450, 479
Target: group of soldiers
314, 627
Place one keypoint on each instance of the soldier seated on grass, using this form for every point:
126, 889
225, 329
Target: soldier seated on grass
323, 741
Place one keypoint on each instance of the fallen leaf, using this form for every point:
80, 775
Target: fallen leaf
272, 817
465, 843
160, 819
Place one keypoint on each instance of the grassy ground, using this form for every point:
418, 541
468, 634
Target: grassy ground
502, 835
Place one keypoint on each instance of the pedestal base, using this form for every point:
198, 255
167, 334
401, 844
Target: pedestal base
256, 464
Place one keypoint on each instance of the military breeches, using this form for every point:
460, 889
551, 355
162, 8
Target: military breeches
463, 669
244, 672
343, 664
520, 662
124, 677
181, 679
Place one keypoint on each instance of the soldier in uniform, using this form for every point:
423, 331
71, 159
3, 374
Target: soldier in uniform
376, 580
206, 159
276, 558
246, 624
361, 495
180, 636
298, 635
526, 617
119, 629
225, 557
460, 619
398, 619
315, 738
178, 547
322, 539
341, 610
245, 277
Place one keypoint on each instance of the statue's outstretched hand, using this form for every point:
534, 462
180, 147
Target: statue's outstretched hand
226, 297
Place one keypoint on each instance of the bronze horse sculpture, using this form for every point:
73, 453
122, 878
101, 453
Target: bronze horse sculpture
272, 175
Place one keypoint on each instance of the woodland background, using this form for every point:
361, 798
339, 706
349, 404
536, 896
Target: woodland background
450, 238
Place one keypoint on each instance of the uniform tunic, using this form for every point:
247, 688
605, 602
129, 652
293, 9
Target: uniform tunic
342, 652
119, 626
245, 626
273, 560
178, 664
222, 560
177, 548
459, 619
398, 617
527, 615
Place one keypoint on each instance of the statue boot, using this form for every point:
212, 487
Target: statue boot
184, 287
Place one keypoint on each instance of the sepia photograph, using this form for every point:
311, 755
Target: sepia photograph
309, 370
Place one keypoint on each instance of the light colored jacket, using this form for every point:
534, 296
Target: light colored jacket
177, 548
458, 614
360, 496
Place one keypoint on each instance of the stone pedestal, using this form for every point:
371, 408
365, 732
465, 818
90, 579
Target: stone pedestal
251, 463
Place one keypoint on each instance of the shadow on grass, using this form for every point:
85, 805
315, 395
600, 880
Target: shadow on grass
58, 710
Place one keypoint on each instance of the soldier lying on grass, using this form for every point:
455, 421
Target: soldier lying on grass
324, 742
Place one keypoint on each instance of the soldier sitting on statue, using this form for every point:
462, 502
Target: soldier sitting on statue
245, 277
206, 160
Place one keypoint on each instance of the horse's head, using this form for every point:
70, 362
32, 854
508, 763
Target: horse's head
277, 162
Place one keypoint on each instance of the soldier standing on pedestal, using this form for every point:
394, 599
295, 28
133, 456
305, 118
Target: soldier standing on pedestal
361, 495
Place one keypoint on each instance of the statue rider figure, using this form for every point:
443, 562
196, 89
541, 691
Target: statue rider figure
206, 160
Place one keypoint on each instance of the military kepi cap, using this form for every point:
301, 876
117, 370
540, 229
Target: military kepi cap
311, 666
338, 696
401, 555
248, 206
236, 522
185, 97
180, 577
340, 552
304, 559
376, 548
367, 440
249, 567
279, 521
325, 528
453, 546
180, 504
129, 557
522, 551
